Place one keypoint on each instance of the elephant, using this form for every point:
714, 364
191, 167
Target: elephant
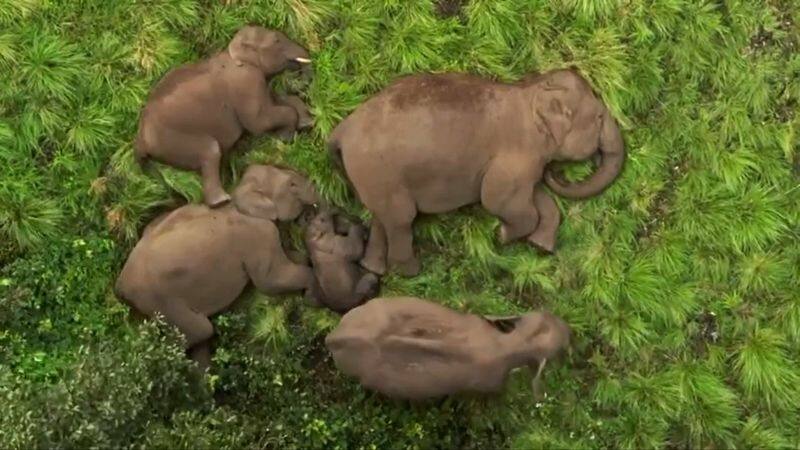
340, 283
412, 349
193, 262
432, 143
198, 111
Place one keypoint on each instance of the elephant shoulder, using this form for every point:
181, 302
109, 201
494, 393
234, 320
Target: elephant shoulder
171, 220
255, 227
179, 77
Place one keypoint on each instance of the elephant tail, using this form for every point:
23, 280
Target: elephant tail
335, 153
140, 145
124, 295
121, 291
335, 148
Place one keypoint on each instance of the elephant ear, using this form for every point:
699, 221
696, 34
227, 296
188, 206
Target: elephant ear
243, 47
503, 324
557, 118
251, 202
323, 244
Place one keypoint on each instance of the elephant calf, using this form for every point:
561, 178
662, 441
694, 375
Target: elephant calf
434, 143
408, 348
194, 262
198, 111
340, 283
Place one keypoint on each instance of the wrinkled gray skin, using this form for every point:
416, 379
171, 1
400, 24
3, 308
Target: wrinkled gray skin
340, 283
193, 262
198, 111
434, 143
408, 348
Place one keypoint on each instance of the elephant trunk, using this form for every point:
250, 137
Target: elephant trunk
299, 58
297, 55
612, 154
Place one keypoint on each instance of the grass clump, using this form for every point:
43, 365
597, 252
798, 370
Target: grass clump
680, 281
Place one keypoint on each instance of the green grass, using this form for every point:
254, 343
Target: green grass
681, 281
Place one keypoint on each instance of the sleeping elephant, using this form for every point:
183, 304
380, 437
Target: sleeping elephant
340, 283
194, 262
198, 111
434, 143
409, 348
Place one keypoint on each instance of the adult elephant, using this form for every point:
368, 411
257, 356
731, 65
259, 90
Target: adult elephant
193, 262
434, 143
198, 111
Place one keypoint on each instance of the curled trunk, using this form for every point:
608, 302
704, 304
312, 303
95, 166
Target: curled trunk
612, 153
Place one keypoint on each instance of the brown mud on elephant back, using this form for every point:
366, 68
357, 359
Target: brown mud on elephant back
409, 348
432, 143
198, 111
440, 92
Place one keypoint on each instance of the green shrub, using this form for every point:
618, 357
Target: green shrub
56, 299
108, 398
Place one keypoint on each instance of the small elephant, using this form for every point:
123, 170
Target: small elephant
433, 143
198, 111
408, 348
193, 262
340, 283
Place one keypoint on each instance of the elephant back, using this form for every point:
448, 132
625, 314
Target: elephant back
414, 349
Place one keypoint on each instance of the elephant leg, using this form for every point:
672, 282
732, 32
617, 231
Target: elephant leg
284, 277
506, 192
201, 353
314, 295
544, 237
195, 327
367, 286
282, 119
374, 258
213, 193
397, 222
304, 119
197, 152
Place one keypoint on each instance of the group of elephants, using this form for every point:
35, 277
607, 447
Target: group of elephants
428, 143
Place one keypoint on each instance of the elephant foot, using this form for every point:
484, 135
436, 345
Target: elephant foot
368, 286
305, 121
546, 244
507, 234
217, 200
377, 267
313, 295
286, 134
201, 354
502, 235
312, 299
408, 268
298, 257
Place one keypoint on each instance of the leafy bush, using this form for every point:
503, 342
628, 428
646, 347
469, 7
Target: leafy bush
108, 398
56, 299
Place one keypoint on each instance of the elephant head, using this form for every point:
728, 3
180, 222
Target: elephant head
269, 50
321, 225
532, 339
579, 125
273, 193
